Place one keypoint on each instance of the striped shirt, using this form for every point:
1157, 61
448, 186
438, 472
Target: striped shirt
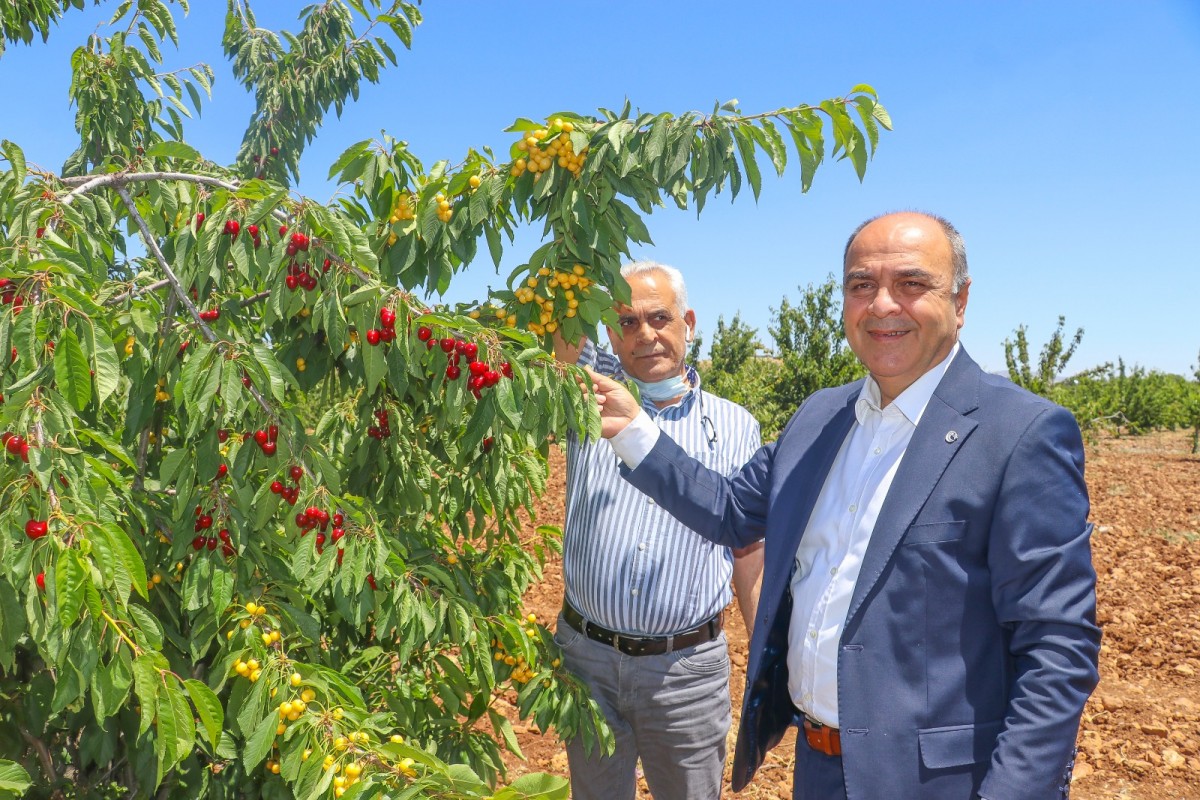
628, 565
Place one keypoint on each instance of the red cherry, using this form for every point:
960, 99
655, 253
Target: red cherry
198, 543
25, 452
337, 533
491, 378
276, 487
205, 522
320, 540
272, 433
222, 435
211, 543
292, 249
40, 232
269, 448
338, 519
371, 581
478, 367
260, 436
302, 520
40, 580
341, 552
252, 230
487, 443
36, 528
423, 333
232, 227
13, 444
506, 369
223, 534
452, 372
282, 230
470, 350
373, 336
292, 281
199, 219
388, 317
222, 470
387, 334
274, 151
448, 345
297, 472
430, 344
227, 550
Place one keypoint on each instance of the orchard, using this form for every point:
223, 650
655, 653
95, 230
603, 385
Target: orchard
259, 496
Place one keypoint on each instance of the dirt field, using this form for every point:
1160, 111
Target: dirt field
1141, 730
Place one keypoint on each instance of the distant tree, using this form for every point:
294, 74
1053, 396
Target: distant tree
1053, 360
811, 345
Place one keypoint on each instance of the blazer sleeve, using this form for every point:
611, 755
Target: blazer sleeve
730, 511
1044, 591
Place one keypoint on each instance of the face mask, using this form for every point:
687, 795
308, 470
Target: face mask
666, 389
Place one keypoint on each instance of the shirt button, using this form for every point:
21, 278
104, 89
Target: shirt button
833, 570
633, 592
812, 634
650, 501
878, 450
853, 507
642, 546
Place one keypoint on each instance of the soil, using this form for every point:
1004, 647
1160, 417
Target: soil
1140, 737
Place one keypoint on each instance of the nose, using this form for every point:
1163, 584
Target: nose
883, 304
644, 332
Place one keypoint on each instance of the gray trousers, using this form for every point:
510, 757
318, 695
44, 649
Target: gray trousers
670, 710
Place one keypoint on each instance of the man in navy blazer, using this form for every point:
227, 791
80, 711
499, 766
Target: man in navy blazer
927, 613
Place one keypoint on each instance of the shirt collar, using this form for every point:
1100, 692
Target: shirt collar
912, 401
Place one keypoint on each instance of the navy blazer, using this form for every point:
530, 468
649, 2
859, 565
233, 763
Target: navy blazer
970, 645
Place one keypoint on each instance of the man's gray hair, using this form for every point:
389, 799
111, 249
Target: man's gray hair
674, 278
958, 248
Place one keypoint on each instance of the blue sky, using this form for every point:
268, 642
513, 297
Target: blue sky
1060, 137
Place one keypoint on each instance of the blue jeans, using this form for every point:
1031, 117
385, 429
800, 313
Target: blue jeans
672, 710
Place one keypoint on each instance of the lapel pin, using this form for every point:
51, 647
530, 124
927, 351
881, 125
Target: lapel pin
952, 437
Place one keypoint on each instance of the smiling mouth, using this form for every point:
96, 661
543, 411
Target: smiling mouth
886, 335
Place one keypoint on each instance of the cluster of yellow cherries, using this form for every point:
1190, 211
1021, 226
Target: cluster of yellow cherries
522, 671
542, 321
540, 157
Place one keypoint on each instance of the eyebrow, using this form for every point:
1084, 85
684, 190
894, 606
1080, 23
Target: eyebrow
912, 272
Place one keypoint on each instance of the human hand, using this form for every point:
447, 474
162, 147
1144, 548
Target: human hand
617, 406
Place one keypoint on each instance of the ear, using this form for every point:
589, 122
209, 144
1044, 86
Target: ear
690, 319
960, 302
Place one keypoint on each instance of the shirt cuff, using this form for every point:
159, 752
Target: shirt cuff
633, 444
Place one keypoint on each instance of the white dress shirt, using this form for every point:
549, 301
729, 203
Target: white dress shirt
831, 550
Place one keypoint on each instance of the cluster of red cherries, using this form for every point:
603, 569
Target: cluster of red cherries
480, 374
384, 429
204, 522
9, 296
16, 444
265, 437
387, 331
289, 493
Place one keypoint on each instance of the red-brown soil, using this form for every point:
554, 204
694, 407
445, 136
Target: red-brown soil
1140, 738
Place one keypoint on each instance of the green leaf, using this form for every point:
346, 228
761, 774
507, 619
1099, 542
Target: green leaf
173, 150
110, 684
13, 777
208, 707
259, 743
69, 577
16, 157
71, 370
348, 155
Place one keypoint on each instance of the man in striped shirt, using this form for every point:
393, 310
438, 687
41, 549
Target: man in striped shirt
645, 596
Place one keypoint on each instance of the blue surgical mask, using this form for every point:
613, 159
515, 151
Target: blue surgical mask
666, 389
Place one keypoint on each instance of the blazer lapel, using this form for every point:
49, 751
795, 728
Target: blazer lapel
941, 432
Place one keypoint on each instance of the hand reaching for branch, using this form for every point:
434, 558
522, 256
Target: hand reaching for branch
617, 406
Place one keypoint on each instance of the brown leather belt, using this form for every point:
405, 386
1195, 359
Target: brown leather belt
644, 645
822, 738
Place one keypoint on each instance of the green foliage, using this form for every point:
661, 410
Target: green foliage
1128, 400
811, 345
20, 22
810, 354
1053, 360
253, 525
